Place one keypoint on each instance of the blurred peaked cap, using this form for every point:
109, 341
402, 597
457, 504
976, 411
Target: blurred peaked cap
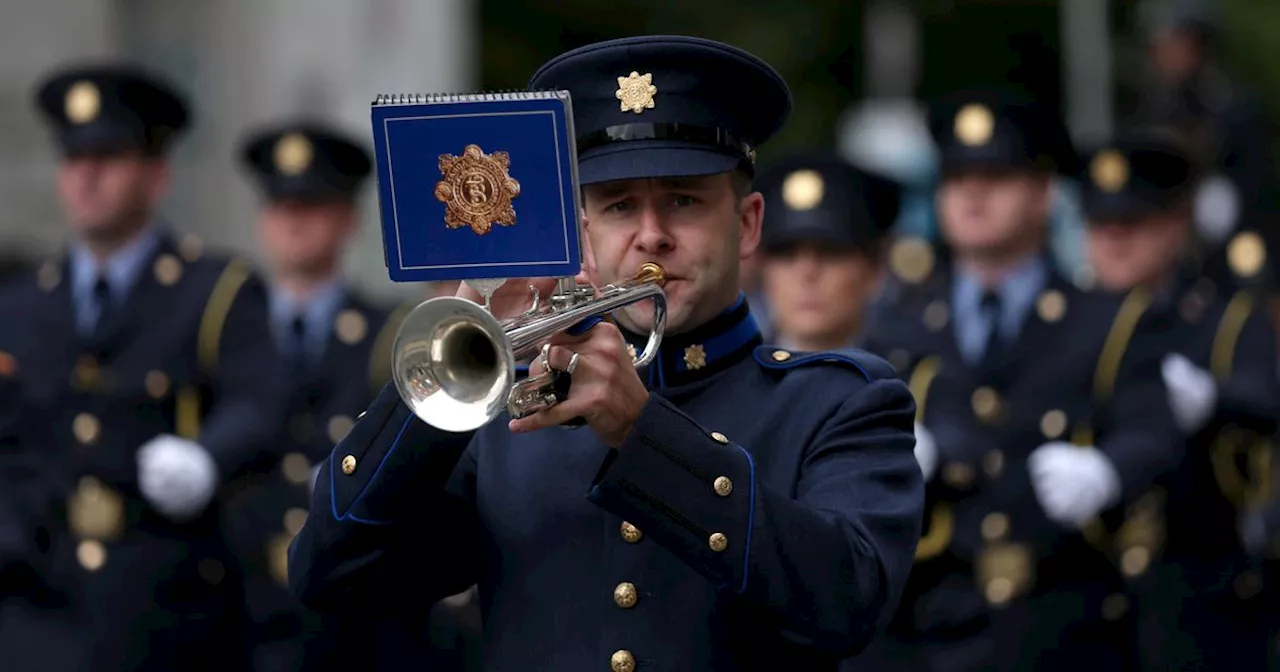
666, 106
110, 108
306, 160
819, 197
1138, 172
1000, 130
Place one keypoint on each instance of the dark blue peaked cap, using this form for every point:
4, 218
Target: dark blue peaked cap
819, 197
1137, 173
666, 106
1000, 130
110, 108
306, 160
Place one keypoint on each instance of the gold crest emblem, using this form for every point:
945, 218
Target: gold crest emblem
83, 103
974, 125
477, 190
803, 190
695, 357
293, 153
1246, 254
635, 92
1109, 170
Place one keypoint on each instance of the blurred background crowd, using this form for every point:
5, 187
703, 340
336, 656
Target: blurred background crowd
263, 117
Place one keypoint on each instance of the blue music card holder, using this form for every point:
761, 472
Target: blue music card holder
477, 185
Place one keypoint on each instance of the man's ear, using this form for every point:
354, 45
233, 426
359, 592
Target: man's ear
588, 255
750, 217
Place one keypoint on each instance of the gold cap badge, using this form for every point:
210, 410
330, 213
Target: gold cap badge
803, 190
477, 190
83, 102
293, 154
1109, 170
974, 125
635, 92
911, 259
1246, 254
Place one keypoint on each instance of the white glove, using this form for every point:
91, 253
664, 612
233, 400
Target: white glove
1192, 393
926, 452
1073, 484
311, 483
177, 476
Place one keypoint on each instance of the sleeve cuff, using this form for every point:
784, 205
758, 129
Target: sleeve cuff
388, 455
691, 489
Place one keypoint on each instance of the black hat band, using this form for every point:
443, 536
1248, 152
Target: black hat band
702, 135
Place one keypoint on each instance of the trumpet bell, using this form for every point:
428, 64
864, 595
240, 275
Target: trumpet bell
453, 364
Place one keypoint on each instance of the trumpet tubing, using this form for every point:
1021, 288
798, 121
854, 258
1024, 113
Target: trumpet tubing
454, 362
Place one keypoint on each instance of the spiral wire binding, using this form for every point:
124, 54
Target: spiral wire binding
486, 96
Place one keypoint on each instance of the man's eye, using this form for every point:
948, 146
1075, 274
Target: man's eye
620, 206
684, 201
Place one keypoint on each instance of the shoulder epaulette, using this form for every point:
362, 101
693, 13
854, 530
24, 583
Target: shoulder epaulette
780, 359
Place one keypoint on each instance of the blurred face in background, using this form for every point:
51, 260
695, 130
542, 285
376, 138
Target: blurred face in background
1175, 54
109, 198
1141, 251
306, 238
993, 214
818, 294
698, 228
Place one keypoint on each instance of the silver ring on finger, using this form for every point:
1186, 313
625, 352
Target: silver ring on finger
545, 357
573, 364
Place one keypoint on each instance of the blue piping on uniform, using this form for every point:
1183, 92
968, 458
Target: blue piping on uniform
751, 519
333, 498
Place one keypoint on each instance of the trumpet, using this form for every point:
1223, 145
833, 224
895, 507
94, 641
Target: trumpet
454, 363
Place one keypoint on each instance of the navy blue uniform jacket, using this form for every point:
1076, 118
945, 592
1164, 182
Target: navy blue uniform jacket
763, 512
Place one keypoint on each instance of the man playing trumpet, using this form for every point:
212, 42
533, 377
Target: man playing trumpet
729, 506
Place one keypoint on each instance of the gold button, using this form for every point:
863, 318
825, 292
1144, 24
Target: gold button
719, 438
157, 384
986, 404
993, 463
1051, 306
1053, 424
957, 474
351, 327
723, 486
167, 269
936, 315
1114, 606
86, 428
296, 468
211, 570
349, 465
630, 533
999, 590
995, 526
339, 425
718, 542
625, 595
86, 375
622, 661
190, 247
294, 519
1248, 585
781, 355
1135, 560
91, 554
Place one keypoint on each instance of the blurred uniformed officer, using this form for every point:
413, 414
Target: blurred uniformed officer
731, 506
337, 344
154, 363
822, 247
1038, 411
1200, 607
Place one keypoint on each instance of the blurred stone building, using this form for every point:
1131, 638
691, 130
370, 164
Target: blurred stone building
243, 62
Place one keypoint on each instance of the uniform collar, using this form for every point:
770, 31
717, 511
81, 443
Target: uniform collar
318, 312
1017, 292
703, 352
121, 269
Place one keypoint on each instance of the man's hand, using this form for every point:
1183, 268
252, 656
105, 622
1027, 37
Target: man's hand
1073, 483
177, 476
513, 297
1193, 395
606, 389
926, 451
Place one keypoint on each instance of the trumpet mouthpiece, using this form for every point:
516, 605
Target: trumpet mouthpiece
651, 272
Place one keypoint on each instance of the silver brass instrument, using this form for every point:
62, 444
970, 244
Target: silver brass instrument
454, 363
